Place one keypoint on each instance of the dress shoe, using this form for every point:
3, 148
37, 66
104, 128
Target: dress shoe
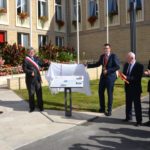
41, 109
138, 124
108, 114
31, 110
147, 123
101, 111
1, 112
127, 120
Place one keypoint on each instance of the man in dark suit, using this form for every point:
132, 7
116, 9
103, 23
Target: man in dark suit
147, 73
31, 67
133, 73
110, 64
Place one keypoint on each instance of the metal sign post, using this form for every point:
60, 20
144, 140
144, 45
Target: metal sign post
67, 83
68, 112
133, 25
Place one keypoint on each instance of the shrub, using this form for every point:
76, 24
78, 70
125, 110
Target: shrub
12, 54
54, 53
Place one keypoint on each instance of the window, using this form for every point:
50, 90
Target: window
74, 12
112, 8
139, 10
2, 3
138, 5
22, 6
23, 39
2, 36
42, 40
58, 9
113, 12
42, 9
59, 41
93, 8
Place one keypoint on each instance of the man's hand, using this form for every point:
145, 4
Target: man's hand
32, 74
46, 61
105, 72
147, 72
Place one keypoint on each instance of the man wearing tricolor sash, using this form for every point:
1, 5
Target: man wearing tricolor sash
31, 67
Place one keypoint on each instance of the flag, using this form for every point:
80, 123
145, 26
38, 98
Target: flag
123, 77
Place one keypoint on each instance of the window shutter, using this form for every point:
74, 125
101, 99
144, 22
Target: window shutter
39, 9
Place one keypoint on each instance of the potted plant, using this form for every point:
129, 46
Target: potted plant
60, 23
3, 11
92, 20
23, 16
43, 20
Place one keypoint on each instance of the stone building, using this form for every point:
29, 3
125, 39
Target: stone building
36, 22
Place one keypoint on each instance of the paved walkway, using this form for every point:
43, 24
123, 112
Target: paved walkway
18, 127
101, 133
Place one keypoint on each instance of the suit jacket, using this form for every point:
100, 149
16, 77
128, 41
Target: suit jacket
28, 68
134, 78
112, 66
148, 89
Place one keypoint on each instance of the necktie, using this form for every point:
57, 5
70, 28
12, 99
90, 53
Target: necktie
128, 71
105, 60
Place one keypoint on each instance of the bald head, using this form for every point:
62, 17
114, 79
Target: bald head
131, 57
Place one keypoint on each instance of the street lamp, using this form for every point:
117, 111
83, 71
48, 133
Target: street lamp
133, 25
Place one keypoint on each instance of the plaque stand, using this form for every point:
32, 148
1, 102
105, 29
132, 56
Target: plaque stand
68, 109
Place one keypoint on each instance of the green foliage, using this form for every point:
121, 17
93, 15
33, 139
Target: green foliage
12, 54
54, 53
65, 57
15, 54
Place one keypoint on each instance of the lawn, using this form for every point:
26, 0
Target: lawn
82, 102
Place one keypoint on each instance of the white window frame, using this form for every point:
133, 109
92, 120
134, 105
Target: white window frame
60, 41
61, 7
97, 8
22, 39
74, 13
43, 12
22, 5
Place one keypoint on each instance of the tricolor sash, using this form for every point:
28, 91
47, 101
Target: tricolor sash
33, 63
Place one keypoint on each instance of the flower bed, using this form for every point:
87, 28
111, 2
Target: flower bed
12, 56
9, 70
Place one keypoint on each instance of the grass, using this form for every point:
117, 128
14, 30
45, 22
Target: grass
82, 102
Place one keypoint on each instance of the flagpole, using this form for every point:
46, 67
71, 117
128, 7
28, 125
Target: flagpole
30, 23
107, 25
78, 51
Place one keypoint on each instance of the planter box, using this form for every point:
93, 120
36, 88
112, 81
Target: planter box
18, 81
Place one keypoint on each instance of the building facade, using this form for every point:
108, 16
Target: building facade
37, 22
